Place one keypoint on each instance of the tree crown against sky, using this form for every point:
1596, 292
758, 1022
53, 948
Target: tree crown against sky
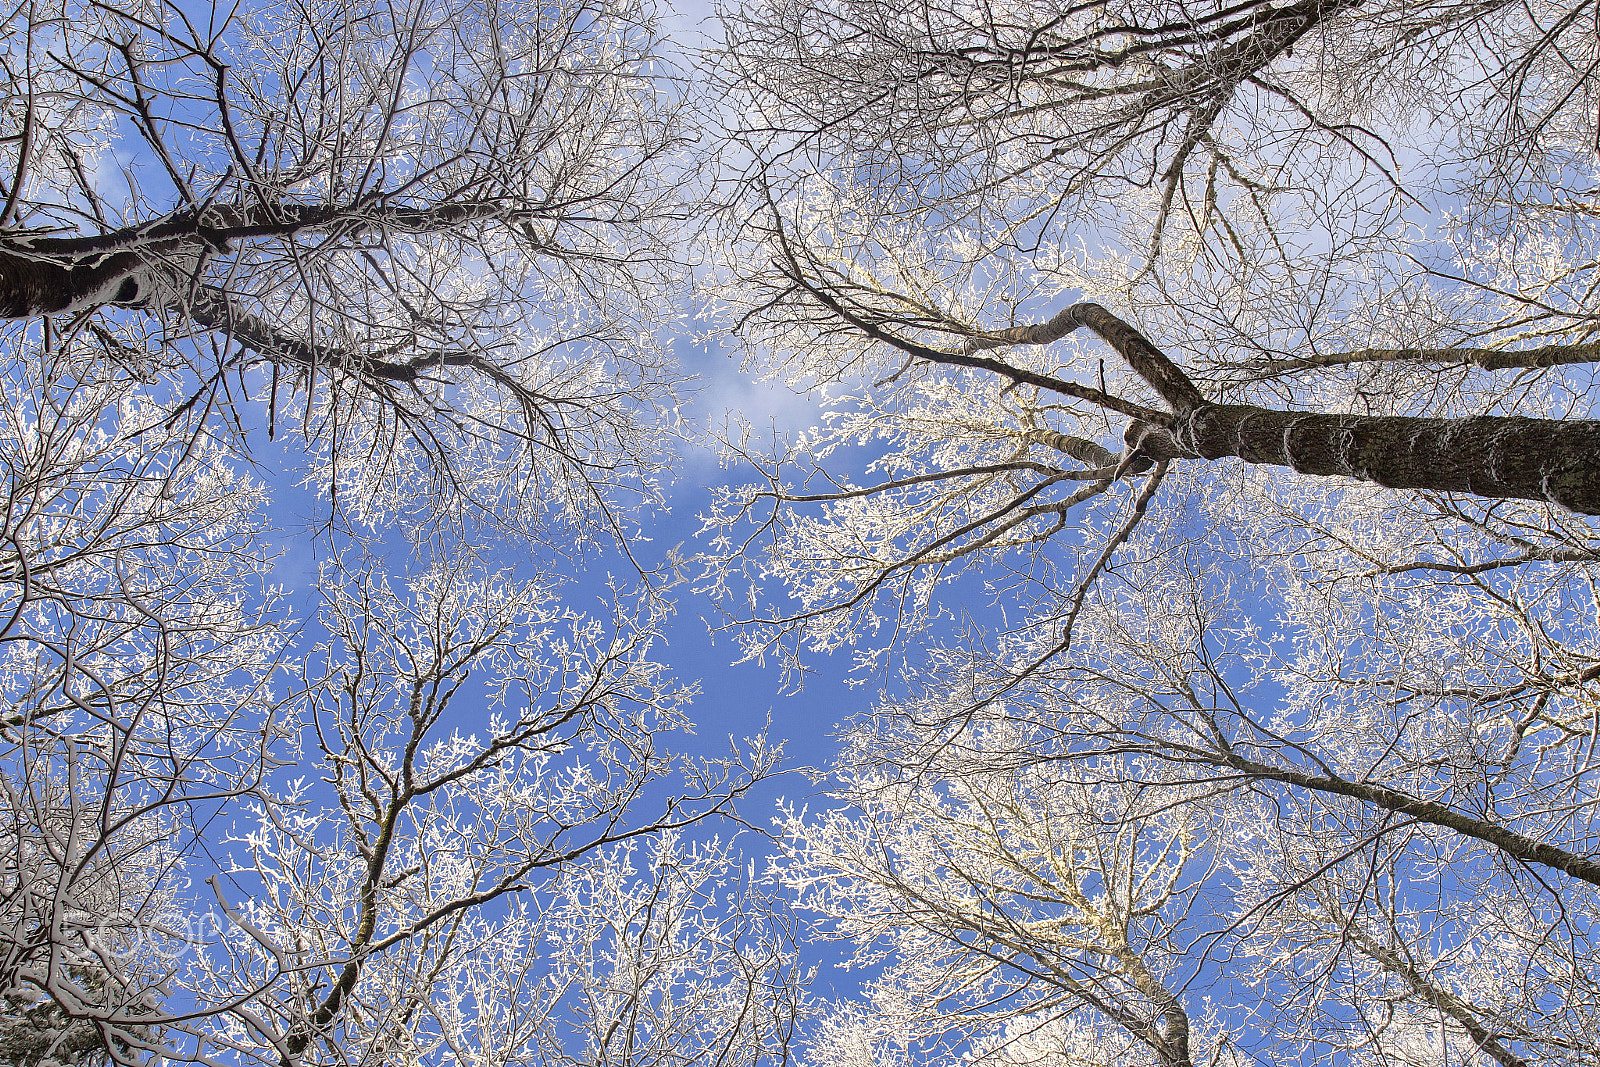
1046, 252
1182, 759
431, 236
450, 816
1242, 763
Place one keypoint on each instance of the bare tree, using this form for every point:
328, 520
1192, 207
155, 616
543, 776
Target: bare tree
1003, 902
1387, 839
1026, 122
1316, 319
1280, 547
422, 234
672, 954
349, 924
137, 645
450, 886
418, 902
432, 239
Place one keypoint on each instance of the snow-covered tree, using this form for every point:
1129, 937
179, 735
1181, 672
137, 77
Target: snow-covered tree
1038, 265
138, 640
1210, 410
1368, 833
463, 890
421, 233
426, 247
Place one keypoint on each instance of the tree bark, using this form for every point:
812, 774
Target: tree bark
1518, 846
32, 285
149, 262
1493, 456
1503, 457
1483, 358
1463, 1012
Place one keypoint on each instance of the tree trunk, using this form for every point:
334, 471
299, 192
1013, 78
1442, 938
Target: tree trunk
32, 285
1492, 456
153, 263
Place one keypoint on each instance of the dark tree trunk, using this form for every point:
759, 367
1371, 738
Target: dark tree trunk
153, 261
1526, 459
1506, 457
33, 285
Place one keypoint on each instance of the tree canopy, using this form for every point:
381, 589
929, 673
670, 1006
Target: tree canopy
443, 814
1210, 401
1205, 491
422, 232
